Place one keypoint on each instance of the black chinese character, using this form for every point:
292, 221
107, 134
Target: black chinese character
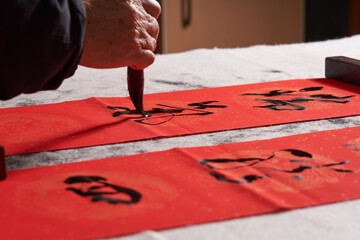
168, 112
300, 161
101, 190
296, 98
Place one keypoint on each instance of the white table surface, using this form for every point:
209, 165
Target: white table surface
204, 68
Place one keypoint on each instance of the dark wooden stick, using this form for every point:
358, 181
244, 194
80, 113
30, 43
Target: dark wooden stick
343, 69
135, 81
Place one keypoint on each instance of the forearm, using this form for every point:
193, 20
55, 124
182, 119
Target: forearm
40, 44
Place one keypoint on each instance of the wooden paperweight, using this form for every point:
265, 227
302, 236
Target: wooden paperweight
343, 69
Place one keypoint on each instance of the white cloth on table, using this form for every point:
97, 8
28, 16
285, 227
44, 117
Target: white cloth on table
213, 68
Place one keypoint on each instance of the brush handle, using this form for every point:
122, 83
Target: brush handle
135, 81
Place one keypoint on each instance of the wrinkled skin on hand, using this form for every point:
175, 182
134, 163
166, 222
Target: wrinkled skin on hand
121, 33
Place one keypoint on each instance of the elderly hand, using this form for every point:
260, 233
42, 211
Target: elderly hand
121, 33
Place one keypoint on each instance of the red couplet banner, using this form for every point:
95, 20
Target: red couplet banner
98, 121
183, 186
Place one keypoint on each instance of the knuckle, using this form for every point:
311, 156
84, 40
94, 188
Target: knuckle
152, 44
156, 5
157, 8
153, 28
153, 7
157, 29
134, 43
138, 46
150, 60
154, 22
144, 61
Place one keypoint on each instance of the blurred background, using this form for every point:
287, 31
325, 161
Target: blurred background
191, 24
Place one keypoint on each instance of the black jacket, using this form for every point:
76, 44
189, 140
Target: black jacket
40, 44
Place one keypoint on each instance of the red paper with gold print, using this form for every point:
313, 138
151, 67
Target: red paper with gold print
124, 195
97, 121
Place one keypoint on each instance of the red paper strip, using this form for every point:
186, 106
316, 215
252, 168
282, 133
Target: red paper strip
123, 195
2, 164
97, 121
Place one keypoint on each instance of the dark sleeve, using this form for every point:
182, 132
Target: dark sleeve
40, 44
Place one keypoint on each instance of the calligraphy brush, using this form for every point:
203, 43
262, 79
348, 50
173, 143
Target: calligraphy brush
135, 81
